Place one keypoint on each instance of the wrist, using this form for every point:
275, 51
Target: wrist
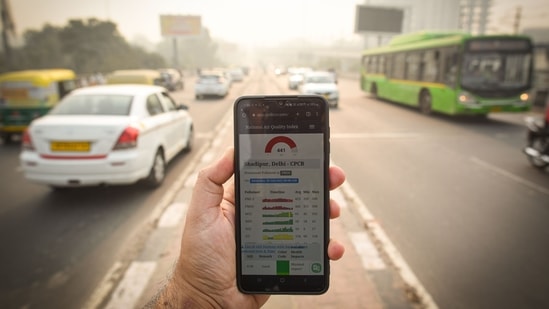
181, 294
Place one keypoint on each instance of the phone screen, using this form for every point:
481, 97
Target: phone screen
282, 194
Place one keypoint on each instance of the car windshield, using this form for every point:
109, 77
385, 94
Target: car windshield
482, 71
319, 79
96, 104
208, 79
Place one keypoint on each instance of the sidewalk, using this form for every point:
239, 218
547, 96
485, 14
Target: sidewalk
361, 279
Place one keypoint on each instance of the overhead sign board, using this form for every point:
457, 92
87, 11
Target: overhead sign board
378, 19
180, 25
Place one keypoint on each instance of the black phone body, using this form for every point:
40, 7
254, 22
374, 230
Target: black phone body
282, 194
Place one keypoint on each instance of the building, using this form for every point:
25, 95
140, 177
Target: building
474, 15
436, 15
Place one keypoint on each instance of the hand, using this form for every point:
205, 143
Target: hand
205, 274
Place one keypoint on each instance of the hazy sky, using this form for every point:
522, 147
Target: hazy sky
255, 22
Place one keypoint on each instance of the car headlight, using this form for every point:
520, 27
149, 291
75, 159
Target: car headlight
524, 97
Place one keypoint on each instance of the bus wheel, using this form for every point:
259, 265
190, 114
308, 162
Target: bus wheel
425, 102
373, 91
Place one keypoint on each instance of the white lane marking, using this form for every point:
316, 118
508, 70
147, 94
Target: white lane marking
389, 248
511, 176
376, 135
104, 287
173, 215
132, 285
371, 260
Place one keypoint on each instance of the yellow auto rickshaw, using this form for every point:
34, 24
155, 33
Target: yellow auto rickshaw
26, 95
146, 77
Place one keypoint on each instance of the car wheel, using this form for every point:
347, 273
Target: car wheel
158, 171
6, 137
196, 96
425, 103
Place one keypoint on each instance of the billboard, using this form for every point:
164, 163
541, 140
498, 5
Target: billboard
180, 25
378, 19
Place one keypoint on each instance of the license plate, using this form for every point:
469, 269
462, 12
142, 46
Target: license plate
495, 109
70, 146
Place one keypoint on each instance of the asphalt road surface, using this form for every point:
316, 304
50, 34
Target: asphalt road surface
455, 195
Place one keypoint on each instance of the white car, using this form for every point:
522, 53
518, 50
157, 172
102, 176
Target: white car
211, 84
296, 76
106, 135
323, 84
236, 74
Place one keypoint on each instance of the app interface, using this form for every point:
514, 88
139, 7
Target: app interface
282, 195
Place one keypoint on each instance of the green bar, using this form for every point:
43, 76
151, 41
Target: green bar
282, 267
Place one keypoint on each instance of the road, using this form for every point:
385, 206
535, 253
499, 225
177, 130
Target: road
456, 196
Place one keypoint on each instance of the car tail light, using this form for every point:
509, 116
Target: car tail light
26, 141
128, 139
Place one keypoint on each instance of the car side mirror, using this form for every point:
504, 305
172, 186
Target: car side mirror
182, 106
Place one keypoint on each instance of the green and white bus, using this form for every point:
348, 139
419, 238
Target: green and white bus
452, 73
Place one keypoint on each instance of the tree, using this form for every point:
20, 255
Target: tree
43, 49
85, 46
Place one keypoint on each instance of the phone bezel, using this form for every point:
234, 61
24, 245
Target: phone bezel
283, 284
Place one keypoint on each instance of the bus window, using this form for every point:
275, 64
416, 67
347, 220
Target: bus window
389, 65
373, 65
517, 69
450, 69
500, 70
381, 65
399, 66
430, 66
412, 66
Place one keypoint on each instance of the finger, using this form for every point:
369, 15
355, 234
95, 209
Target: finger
337, 177
335, 250
335, 210
221, 170
208, 190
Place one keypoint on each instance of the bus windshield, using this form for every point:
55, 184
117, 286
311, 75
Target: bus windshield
496, 71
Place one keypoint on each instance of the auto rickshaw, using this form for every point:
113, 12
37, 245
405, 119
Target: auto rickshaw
146, 77
26, 95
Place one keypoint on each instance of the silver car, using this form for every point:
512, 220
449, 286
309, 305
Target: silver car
211, 84
321, 83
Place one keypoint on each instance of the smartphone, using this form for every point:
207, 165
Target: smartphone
282, 194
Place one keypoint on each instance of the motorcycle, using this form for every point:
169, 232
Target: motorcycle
537, 149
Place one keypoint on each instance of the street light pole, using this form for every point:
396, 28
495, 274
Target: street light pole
8, 26
516, 23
